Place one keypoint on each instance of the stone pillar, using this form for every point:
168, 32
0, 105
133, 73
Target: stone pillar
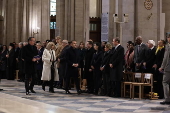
166, 9
72, 20
1, 21
147, 28
22, 16
98, 8
109, 6
128, 7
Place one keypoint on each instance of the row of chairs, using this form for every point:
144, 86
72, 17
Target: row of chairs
137, 80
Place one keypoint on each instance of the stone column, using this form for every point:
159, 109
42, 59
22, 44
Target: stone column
166, 9
71, 19
22, 16
128, 7
98, 8
147, 28
1, 21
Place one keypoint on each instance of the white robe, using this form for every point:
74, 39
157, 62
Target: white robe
46, 73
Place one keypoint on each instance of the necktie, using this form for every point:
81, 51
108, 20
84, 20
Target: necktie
138, 48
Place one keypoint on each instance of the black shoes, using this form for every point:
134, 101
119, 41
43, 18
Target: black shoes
51, 90
68, 92
27, 93
164, 102
79, 92
32, 91
43, 87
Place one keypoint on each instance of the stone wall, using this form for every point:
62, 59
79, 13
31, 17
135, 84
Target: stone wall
72, 19
22, 16
147, 28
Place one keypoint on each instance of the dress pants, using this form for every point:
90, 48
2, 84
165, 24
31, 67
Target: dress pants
106, 83
68, 83
90, 82
116, 88
27, 78
51, 85
165, 82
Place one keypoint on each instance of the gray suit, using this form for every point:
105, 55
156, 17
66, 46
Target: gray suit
166, 78
139, 55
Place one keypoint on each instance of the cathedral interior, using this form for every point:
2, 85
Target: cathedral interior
80, 20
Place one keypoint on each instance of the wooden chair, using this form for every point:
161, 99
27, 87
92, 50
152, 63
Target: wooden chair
128, 79
148, 81
138, 81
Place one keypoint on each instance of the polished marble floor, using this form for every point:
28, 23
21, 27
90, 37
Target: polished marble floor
14, 100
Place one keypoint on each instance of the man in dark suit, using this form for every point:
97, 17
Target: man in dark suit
139, 54
20, 63
88, 74
72, 58
150, 57
29, 56
10, 62
62, 63
116, 67
39, 63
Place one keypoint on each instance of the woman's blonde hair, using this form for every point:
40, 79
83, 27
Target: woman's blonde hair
49, 45
108, 46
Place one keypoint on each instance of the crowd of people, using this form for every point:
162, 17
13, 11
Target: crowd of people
55, 62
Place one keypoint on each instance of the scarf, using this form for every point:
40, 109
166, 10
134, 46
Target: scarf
159, 48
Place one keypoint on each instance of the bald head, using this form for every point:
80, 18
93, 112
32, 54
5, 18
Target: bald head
138, 40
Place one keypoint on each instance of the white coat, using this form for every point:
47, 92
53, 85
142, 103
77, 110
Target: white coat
46, 73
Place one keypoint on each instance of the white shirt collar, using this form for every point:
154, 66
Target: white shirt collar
152, 48
117, 46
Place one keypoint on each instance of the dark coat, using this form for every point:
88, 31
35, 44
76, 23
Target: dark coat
150, 58
159, 57
40, 63
116, 59
140, 56
96, 62
15, 57
20, 61
88, 59
81, 55
105, 62
72, 57
10, 65
28, 53
3, 60
63, 62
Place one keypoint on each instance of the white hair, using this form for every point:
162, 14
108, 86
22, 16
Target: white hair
151, 42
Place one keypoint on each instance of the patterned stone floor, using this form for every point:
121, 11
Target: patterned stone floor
86, 103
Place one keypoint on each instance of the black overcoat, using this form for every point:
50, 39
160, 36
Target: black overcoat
88, 58
28, 53
116, 59
63, 62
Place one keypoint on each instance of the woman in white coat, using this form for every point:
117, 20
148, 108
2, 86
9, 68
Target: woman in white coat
50, 72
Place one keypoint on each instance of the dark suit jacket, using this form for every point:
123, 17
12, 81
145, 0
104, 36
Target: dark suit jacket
88, 58
28, 54
63, 62
40, 63
72, 57
105, 62
159, 57
116, 59
150, 58
3, 60
96, 62
11, 58
140, 56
